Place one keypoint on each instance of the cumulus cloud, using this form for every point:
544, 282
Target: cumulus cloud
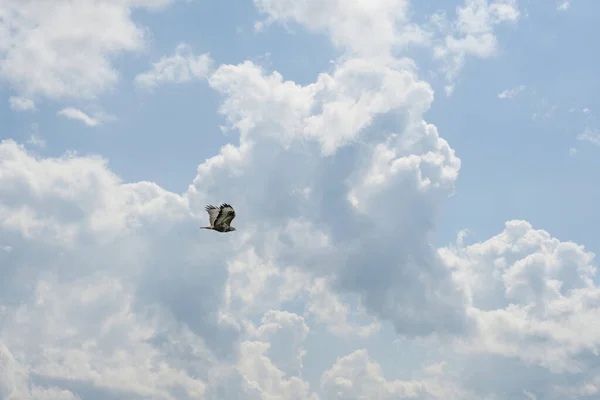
110, 290
416, 161
356, 376
534, 298
157, 273
329, 309
183, 66
64, 48
103, 312
380, 28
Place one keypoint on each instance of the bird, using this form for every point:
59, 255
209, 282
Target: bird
220, 218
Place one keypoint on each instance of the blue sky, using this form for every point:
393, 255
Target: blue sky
358, 141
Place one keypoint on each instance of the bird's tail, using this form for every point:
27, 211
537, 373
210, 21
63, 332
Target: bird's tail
206, 227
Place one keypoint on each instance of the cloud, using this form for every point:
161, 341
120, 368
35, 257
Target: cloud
78, 115
183, 66
14, 383
37, 141
472, 34
563, 5
64, 48
111, 290
367, 28
129, 255
270, 366
100, 308
590, 136
590, 133
328, 309
511, 93
533, 298
271, 112
356, 376
378, 29
21, 104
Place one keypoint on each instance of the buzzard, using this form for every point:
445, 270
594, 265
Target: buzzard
220, 218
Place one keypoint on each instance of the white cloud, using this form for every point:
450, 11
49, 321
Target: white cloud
534, 299
511, 93
348, 100
589, 135
271, 112
379, 28
64, 48
21, 104
472, 34
263, 380
356, 376
183, 66
286, 333
364, 27
563, 5
110, 290
78, 115
14, 382
81, 309
104, 241
116, 357
327, 307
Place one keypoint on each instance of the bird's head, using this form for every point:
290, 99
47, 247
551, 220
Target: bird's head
232, 229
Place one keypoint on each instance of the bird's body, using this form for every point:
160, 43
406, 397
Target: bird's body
220, 218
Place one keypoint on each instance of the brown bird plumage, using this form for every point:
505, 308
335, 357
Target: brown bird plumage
220, 218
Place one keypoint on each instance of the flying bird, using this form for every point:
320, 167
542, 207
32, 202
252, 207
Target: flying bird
220, 218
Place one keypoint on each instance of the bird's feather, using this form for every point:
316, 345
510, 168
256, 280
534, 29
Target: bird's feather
212, 214
225, 216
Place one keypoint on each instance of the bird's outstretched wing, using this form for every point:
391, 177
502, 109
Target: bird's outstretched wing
212, 214
225, 216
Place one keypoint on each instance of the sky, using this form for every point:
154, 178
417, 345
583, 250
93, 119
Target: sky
414, 186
